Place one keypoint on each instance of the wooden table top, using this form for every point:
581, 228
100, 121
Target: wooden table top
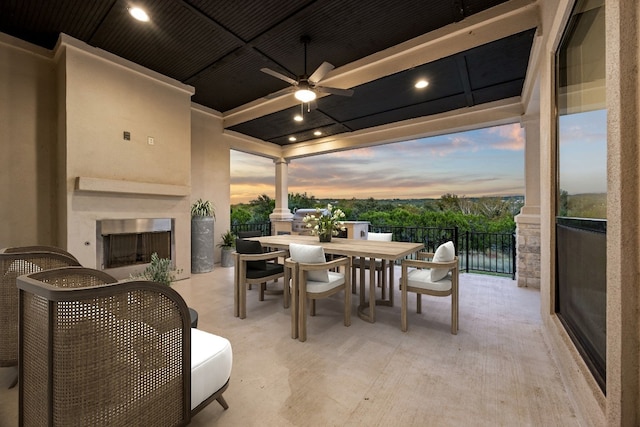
345, 247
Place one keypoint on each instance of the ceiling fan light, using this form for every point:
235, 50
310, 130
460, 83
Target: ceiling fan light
305, 95
139, 14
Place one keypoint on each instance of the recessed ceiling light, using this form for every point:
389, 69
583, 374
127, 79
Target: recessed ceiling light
317, 133
420, 84
292, 138
139, 14
297, 118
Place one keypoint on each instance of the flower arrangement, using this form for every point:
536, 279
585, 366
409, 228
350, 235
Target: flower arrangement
325, 222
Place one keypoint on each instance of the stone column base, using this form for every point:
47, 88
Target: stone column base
528, 251
281, 226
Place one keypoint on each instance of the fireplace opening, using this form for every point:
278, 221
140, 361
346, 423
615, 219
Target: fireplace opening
135, 248
131, 242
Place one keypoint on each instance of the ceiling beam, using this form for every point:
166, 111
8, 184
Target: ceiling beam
496, 113
461, 62
247, 144
484, 27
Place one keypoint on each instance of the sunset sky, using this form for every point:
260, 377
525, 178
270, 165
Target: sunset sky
485, 162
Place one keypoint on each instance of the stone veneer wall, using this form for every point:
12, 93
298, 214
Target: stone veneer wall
528, 254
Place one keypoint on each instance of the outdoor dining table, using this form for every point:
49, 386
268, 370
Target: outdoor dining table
371, 249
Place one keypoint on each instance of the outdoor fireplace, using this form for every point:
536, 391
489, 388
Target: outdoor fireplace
127, 244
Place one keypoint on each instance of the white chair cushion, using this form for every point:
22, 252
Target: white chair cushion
335, 280
382, 237
211, 360
379, 237
310, 254
446, 252
422, 279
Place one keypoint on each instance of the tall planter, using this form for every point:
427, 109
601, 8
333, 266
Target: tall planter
202, 244
227, 257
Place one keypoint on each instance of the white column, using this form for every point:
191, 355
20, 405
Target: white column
528, 221
281, 218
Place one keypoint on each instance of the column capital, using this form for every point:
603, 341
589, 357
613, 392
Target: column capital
281, 160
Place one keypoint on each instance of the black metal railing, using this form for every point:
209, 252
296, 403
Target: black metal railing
493, 253
264, 227
488, 252
431, 237
480, 252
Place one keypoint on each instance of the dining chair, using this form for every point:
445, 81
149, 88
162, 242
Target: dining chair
253, 266
249, 233
14, 262
313, 279
113, 352
381, 265
437, 277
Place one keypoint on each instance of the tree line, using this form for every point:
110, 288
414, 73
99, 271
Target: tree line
479, 214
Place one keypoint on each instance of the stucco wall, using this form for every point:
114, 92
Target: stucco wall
210, 167
27, 144
62, 116
104, 98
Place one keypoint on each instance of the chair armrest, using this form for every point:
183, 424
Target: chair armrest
261, 257
324, 265
426, 255
430, 264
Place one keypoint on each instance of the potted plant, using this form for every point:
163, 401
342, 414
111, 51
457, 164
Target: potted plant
159, 270
227, 244
202, 220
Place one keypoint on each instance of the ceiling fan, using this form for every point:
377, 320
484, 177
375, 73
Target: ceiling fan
306, 87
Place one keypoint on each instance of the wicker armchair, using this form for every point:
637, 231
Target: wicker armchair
94, 351
13, 263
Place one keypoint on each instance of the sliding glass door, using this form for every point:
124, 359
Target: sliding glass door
581, 224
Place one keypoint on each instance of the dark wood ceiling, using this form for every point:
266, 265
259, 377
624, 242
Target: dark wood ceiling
220, 46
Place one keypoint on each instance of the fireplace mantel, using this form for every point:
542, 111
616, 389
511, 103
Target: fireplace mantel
102, 185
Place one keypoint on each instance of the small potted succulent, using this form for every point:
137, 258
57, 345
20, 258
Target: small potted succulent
202, 220
159, 270
227, 244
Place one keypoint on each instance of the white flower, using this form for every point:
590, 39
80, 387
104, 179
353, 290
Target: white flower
325, 221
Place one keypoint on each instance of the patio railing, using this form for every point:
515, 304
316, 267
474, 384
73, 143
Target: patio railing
493, 253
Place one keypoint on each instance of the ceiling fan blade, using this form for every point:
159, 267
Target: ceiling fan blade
279, 76
334, 91
281, 92
320, 72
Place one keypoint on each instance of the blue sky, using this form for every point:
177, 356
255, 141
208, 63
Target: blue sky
484, 162
583, 152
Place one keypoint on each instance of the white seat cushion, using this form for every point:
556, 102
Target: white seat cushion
446, 252
382, 237
211, 360
422, 279
310, 254
335, 280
